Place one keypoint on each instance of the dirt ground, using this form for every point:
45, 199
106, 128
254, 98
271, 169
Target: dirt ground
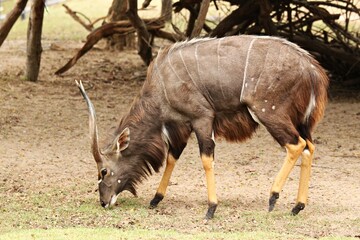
44, 146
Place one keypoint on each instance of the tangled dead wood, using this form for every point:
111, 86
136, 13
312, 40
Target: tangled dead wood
329, 29
108, 29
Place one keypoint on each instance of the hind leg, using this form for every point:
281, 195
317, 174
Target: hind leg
285, 133
293, 152
307, 156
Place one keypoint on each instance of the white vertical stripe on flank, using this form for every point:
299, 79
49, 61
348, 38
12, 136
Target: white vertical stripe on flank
218, 65
246, 66
172, 67
197, 62
186, 68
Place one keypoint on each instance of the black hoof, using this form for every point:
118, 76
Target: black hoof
211, 211
155, 201
298, 207
274, 196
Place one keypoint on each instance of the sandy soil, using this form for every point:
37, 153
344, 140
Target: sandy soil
44, 145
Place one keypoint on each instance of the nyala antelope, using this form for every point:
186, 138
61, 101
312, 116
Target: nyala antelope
217, 88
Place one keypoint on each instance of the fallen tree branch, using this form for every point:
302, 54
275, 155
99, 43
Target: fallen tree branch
144, 48
199, 23
106, 30
75, 16
173, 37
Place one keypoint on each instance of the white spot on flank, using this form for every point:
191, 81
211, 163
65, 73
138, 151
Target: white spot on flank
99, 181
119, 181
246, 85
266, 101
112, 173
246, 66
263, 109
273, 107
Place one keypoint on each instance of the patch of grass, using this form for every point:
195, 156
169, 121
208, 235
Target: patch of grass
58, 25
111, 233
76, 214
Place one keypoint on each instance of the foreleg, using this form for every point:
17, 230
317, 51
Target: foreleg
208, 164
164, 183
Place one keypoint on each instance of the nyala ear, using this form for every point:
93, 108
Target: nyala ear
123, 140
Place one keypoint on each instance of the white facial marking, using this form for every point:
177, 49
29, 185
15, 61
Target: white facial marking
99, 181
213, 136
113, 199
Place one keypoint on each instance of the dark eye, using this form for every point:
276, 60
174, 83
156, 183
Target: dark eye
103, 173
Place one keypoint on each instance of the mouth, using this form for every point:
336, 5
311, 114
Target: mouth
112, 201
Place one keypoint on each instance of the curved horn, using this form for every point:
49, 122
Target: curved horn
92, 123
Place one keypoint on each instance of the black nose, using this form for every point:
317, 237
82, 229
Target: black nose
102, 204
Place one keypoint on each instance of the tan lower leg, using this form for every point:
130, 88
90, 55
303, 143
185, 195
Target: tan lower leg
208, 164
170, 164
292, 154
305, 172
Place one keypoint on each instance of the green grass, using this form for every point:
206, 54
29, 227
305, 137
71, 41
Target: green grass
112, 233
58, 214
58, 25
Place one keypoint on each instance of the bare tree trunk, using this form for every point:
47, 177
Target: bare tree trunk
34, 47
201, 18
117, 12
143, 36
11, 19
166, 9
194, 13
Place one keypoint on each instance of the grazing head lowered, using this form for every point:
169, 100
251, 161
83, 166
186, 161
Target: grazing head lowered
119, 168
217, 88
